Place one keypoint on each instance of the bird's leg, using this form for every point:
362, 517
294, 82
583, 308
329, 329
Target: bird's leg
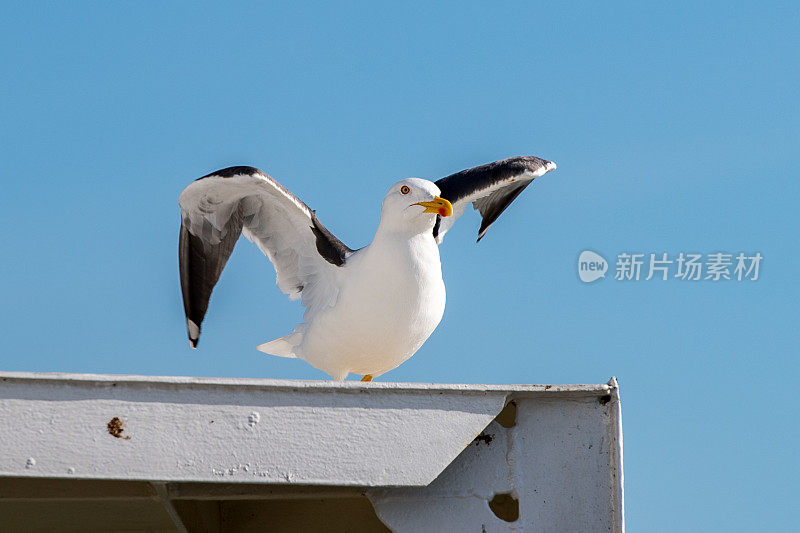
368, 377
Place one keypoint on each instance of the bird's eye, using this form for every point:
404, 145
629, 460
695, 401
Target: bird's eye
404, 189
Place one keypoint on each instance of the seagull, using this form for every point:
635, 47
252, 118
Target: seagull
366, 310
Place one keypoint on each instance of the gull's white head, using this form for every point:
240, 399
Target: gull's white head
411, 206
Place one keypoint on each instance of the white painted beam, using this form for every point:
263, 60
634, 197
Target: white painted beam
411, 447
195, 429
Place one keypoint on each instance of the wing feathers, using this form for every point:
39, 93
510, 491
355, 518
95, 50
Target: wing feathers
329, 247
235, 201
492, 206
201, 260
490, 188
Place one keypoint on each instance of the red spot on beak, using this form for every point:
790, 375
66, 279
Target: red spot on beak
443, 211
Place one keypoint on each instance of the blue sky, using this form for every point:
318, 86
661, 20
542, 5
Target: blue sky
675, 127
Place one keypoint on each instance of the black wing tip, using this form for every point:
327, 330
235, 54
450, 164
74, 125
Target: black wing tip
193, 343
229, 172
483, 229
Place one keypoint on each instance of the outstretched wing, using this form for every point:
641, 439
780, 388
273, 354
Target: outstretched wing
217, 208
490, 188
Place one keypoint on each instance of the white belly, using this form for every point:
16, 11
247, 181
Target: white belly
389, 304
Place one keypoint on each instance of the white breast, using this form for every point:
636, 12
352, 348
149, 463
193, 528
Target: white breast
392, 297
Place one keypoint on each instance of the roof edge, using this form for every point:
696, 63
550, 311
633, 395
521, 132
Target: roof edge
312, 385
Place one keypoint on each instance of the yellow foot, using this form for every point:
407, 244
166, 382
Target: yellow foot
368, 377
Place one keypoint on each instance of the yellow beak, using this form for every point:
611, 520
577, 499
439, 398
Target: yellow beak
438, 205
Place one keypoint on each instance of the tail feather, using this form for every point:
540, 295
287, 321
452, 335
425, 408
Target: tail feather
282, 347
